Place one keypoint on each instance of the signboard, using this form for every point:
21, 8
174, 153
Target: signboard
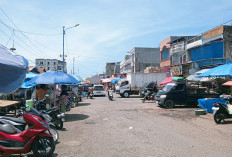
179, 47
214, 32
176, 70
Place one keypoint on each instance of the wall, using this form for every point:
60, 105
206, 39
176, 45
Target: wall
227, 35
209, 51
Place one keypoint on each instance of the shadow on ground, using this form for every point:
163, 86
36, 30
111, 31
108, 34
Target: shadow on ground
83, 104
75, 117
131, 96
28, 155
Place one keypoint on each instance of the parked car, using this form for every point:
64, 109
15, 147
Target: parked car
98, 90
182, 94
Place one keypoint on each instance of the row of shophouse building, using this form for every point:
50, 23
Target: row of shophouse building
179, 55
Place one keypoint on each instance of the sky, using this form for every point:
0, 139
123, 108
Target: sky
107, 29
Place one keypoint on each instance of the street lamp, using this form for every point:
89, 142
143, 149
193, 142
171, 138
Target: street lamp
64, 29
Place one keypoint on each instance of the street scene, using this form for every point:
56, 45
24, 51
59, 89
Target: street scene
115, 78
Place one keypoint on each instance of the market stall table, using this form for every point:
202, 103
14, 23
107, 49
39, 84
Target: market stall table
6, 104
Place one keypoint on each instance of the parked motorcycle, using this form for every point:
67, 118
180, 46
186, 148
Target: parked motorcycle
36, 138
149, 96
222, 111
20, 125
54, 113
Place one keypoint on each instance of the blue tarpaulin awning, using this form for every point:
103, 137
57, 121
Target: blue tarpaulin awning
219, 71
13, 70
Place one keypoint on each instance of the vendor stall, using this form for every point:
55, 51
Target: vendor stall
6, 106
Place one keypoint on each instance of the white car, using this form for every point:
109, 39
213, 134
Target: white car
98, 90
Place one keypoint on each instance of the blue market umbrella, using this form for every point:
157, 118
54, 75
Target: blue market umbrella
78, 78
29, 76
53, 77
116, 80
13, 70
219, 71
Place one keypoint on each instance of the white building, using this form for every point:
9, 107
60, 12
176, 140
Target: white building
51, 64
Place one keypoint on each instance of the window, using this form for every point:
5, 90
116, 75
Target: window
48, 63
124, 83
165, 53
54, 63
41, 62
48, 68
180, 87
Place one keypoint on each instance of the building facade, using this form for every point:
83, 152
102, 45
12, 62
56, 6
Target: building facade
143, 57
112, 68
51, 64
165, 54
178, 55
125, 66
210, 49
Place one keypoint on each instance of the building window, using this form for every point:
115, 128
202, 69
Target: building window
165, 53
48, 68
54, 63
48, 63
41, 62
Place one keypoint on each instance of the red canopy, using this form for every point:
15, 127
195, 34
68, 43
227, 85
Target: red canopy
228, 83
167, 80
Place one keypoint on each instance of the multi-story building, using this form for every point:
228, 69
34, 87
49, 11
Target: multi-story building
210, 49
51, 64
125, 66
143, 57
112, 68
178, 53
165, 54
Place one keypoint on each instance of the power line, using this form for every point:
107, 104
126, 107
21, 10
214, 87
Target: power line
18, 30
9, 27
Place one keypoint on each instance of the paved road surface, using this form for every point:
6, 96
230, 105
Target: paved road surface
128, 128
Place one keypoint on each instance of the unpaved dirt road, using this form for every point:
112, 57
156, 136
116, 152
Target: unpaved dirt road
126, 127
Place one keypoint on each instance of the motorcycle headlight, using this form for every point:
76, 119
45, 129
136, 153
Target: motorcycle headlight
44, 124
163, 96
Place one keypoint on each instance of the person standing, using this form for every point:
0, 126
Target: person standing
41, 92
63, 99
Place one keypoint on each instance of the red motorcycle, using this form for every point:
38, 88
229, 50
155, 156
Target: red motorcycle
36, 138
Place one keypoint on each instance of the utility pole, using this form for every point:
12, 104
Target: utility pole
64, 29
63, 46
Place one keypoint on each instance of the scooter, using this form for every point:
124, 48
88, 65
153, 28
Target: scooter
20, 125
91, 95
110, 95
35, 138
148, 96
222, 111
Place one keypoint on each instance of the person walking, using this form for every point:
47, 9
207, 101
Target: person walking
63, 99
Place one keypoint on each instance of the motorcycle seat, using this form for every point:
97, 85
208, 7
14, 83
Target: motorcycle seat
7, 128
17, 120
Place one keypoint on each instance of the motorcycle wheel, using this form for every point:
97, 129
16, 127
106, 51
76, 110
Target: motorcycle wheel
43, 147
219, 118
54, 134
143, 101
59, 124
